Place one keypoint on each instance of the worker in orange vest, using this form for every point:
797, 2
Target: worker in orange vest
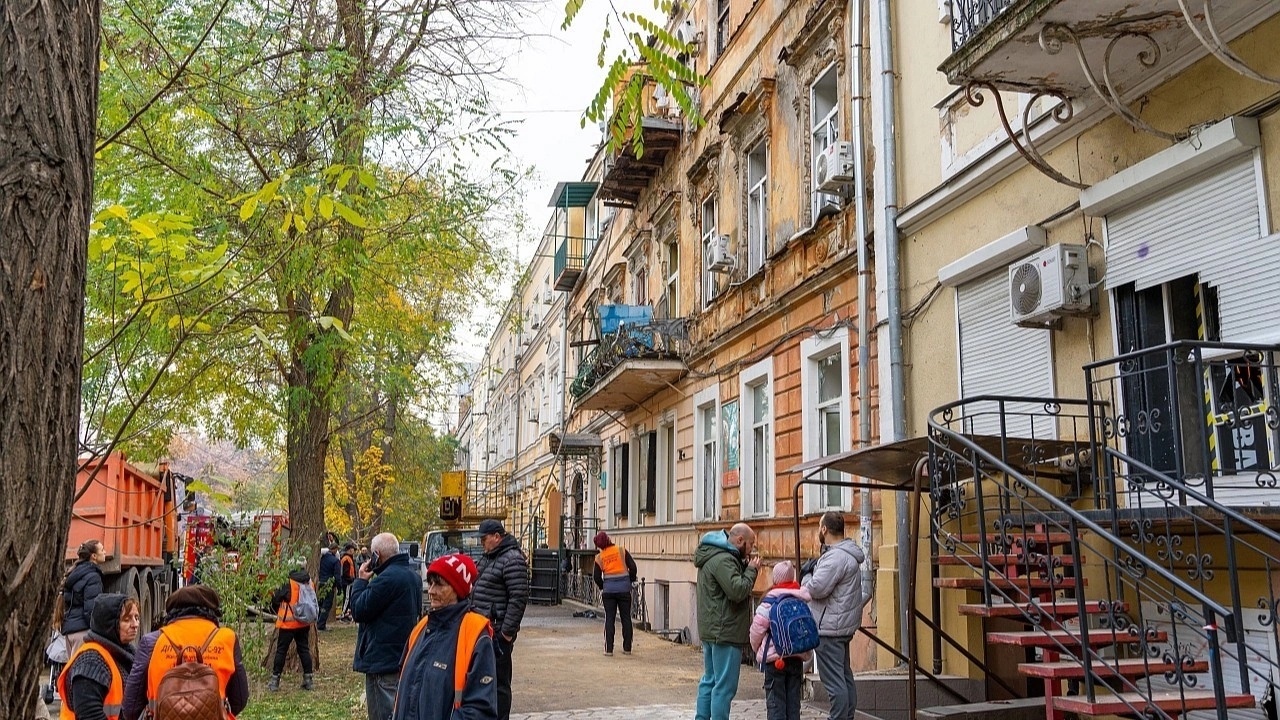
455, 639
192, 620
92, 683
614, 573
292, 602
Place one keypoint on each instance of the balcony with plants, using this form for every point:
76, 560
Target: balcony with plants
640, 144
637, 355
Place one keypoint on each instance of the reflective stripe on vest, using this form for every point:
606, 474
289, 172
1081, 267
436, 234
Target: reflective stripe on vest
191, 632
611, 562
468, 635
284, 616
115, 691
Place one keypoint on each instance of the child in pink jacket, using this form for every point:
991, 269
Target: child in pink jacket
783, 677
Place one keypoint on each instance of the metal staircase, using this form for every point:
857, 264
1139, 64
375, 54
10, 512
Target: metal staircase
1093, 525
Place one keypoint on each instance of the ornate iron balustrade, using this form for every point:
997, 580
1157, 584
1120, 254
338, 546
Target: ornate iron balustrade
1180, 584
653, 340
970, 16
581, 587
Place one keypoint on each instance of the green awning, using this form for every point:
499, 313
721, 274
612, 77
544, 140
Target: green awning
573, 194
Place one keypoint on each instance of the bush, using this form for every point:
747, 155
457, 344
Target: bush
245, 581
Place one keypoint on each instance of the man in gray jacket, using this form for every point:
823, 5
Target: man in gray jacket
838, 599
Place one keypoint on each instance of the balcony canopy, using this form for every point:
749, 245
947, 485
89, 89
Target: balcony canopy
573, 194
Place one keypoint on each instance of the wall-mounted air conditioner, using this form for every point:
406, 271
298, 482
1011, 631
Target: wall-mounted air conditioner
833, 168
1048, 285
719, 258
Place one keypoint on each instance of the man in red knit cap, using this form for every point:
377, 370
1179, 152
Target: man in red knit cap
614, 573
454, 638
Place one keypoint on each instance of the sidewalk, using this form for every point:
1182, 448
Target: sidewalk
560, 673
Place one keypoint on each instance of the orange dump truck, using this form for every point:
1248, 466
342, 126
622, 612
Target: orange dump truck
130, 508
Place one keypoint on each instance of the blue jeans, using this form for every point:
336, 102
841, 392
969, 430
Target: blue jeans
720, 668
380, 694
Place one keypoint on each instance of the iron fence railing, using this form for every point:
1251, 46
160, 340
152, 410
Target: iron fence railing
582, 588
970, 16
1179, 585
653, 340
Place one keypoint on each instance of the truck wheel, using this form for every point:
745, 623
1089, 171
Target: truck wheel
146, 605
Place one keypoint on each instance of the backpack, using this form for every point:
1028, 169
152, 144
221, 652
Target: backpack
792, 629
190, 690
307, 609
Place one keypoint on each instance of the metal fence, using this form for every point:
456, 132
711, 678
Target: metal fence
582, 588
970, 16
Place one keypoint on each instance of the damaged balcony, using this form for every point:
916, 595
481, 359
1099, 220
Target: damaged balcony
1068, 48
636, 357
574, 221
627, 174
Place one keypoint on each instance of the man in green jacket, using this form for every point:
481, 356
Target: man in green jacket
726, 575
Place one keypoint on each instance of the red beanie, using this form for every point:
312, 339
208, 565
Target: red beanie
602, 540
458, 570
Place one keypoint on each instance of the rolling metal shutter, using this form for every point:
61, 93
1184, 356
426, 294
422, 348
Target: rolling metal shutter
1000, 358
1210, 226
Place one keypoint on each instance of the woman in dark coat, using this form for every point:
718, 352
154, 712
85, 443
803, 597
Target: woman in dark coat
80, 590
86, 682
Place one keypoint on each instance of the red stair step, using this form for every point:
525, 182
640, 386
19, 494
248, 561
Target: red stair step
1025, 584
1040, 538
1059, 608
1054, 638
1171, 702
1020, 560
1136, 667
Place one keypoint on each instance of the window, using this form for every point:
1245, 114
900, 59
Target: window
641, 281
757, 207
722, 25
706, 471
672, 281
824, 117
648, 472
668, 455
757, 439
621, 475
708, 239
824, 380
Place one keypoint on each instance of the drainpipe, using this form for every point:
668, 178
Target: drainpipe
889, 286
860, 233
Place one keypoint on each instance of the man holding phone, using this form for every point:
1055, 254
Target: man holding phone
386, 600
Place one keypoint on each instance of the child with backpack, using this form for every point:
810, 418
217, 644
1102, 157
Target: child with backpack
297, 609
783, 636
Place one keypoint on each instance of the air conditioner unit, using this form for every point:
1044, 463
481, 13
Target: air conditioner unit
719, 259
1048, 285
833, 168
548, 297
535, 322
533, 415
687, 33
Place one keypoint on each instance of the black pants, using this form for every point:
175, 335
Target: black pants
617, 604
502, 652
302, 638
326, 606
782, 689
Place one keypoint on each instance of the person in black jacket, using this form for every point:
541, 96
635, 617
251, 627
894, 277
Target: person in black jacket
291, 630
86, 682
327, 585
424, 692
386, 600
501, 593
80, 590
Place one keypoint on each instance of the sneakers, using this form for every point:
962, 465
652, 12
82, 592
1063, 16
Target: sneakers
608, 653
274, 685
307, 683
626, 652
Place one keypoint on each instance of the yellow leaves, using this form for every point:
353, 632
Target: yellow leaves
326, 207
249, 207
144, 228
350, 215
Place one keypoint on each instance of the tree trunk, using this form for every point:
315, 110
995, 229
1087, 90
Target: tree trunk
308, 444
48, 111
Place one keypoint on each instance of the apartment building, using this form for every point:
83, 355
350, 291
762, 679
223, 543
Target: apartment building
1087, 226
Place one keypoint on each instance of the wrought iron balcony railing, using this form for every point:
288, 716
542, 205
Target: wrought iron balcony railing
651, 340
970, 16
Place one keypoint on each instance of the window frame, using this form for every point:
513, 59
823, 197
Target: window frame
758, 217
671, 283
753, 377
707, 400
668, 481
812, 351
709, 233
829, 125
724, 12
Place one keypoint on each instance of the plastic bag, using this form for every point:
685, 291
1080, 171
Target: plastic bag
56, 650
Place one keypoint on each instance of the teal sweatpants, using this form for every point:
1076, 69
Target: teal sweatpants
720, 667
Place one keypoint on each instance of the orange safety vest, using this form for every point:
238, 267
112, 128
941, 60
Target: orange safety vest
468, 635
193, 632
612, 563
348, 565
284, 616
115, 692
